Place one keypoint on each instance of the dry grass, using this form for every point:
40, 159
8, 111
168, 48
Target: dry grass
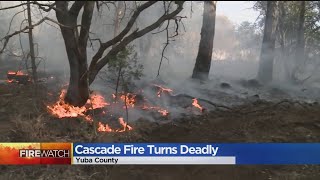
32, 130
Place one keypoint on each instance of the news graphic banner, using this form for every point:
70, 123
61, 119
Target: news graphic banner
159, 153
35, 153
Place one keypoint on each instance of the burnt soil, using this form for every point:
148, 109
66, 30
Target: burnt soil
23, 117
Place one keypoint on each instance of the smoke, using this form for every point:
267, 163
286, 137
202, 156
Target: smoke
235, 57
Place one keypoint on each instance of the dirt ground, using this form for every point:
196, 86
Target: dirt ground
23, 117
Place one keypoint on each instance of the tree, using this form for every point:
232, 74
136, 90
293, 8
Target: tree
248, 41
76, 47
299, 54
287, 37
76, 37
203, 60
267, 54
31, 46
81, 76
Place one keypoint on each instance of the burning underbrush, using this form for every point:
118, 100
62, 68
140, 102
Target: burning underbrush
112, 114
18, 77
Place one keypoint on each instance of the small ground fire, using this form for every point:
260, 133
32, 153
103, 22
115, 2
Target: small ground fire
19, 77
96, 101
196, 104
63, 110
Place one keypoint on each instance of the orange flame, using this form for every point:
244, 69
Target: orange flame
14, 75
106, 128
196, 104
97, 101
162, 89
124, 125
19, 73
61, 109
129, 99
163, 112
11, 72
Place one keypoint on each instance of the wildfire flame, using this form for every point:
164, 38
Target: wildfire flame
97, 101
61, 110
124, 125
129, 99
196, 104
163, 112
12, 75
162, 89
106, 128
19, 73
12, 72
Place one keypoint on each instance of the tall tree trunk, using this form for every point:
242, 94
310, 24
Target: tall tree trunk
78, 89
268, 44
299, 53
282, 39
117, 17
76, 47
203, 61
31, 46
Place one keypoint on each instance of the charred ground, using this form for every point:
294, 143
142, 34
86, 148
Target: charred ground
24, 118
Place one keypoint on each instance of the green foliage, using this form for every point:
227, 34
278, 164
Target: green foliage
124, 68
249, 38
290, 23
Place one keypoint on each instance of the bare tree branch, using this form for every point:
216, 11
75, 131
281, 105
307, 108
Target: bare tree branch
164, 48
121, 35
13, 19
12, 7
40, 5
97, 65
43, 6
24, 30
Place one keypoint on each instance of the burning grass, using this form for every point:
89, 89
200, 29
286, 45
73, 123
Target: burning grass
63, 110
19, 77
60, 109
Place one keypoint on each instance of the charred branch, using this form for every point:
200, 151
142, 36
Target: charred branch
6, 39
